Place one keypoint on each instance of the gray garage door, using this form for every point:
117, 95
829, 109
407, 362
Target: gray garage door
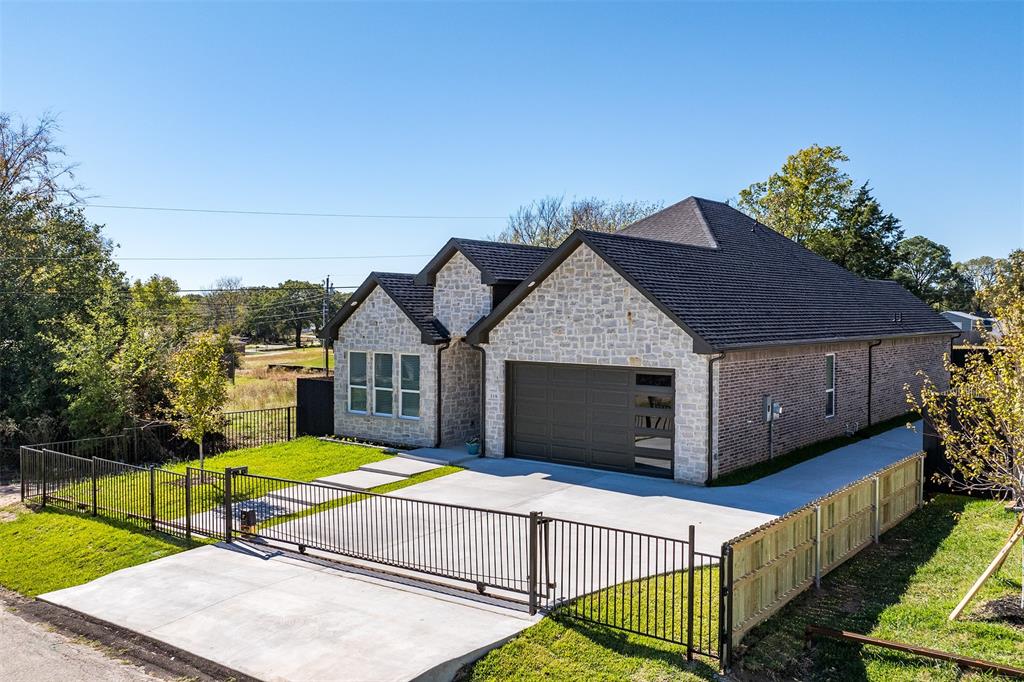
589, 415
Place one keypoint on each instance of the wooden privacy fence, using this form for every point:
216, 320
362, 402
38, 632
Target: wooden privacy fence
768, 566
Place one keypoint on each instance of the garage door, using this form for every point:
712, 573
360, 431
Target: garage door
590, 415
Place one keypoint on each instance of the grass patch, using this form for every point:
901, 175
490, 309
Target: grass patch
300, 357
52, 549
774, 466
902, 590
258, 389
564, 648
303, 459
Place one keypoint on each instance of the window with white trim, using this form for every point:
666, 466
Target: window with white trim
357, 395
383, 384
410, 386
830, 385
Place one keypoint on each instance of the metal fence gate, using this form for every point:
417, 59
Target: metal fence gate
646, 584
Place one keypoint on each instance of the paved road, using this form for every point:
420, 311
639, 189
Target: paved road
30, 652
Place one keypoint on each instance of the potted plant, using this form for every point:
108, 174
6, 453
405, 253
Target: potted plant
473, 446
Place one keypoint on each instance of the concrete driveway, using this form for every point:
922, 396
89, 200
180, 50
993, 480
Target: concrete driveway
278, 618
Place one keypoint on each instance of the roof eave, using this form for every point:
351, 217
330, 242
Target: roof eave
953, 332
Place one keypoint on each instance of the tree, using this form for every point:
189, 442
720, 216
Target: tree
981, 418
31, 163
804, 196
198, 389
53, 264
926, 270
981, 273
550, 220
863, 238
1007, 282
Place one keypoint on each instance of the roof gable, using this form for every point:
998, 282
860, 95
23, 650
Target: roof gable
497, 262
415, 300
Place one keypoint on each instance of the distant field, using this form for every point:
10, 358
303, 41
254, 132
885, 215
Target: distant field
258, 388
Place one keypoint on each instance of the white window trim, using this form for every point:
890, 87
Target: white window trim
348, 370
383, 388
832, 390
403, 391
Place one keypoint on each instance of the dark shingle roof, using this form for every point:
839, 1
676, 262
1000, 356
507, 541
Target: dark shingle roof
415, 300
507, 262
683, 223
755, 288
498, 262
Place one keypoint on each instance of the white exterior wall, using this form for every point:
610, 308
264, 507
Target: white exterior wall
379, 325
586, 313
459, 297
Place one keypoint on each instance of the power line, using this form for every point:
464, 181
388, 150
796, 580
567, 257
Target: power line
300, 214
215, 258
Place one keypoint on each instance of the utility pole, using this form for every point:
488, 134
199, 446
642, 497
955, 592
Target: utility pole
323, 326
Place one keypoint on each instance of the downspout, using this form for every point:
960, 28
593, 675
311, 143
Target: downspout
711, 418
437, 404
483, 395
871, 365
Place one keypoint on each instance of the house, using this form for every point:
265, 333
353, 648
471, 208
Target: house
659, 349
971, 325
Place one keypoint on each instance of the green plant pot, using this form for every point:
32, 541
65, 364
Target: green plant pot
473, 448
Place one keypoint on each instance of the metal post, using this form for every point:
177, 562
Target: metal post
227, 504
876, 510
94, 507
817, 545
42, 475
188, 504
723, 595
152, 497
727, 660
23, 471
289, 415
531, 567
689, 594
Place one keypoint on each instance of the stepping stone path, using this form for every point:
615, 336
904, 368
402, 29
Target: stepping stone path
299, 497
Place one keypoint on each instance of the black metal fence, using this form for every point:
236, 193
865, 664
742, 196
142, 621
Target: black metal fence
636, 582
159, 442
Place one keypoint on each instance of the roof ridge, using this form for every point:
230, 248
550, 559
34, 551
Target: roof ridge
499, 243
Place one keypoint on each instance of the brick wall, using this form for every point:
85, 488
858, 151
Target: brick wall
795, 377
378, 324
586, 313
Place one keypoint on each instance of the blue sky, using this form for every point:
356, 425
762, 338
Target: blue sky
475, 109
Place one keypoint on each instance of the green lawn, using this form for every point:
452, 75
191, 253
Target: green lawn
50, 550
562, 648
773, 466
300, 357
903, 590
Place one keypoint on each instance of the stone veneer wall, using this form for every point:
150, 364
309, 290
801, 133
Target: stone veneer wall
586, 313
379, 325
459, 297
795, 376
460, 394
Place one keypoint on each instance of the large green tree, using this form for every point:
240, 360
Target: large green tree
804, 196
862, 237
53, 264
926, 270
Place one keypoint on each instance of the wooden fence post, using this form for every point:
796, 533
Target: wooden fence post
876, 507
817, 545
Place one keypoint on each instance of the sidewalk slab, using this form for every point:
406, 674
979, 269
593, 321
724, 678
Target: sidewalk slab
359, 480
400, 466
